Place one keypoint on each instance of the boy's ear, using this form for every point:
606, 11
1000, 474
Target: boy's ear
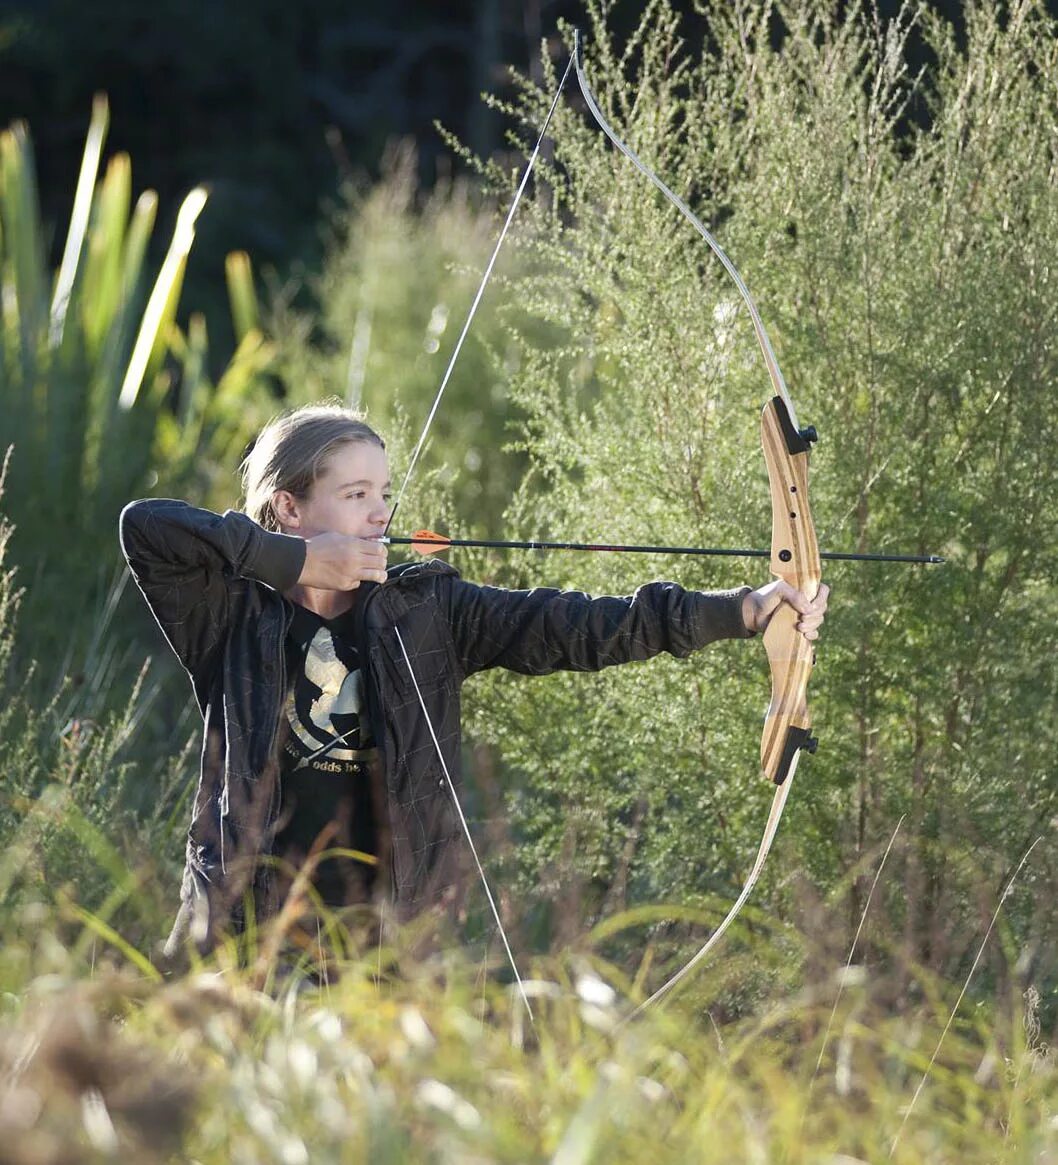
286, 509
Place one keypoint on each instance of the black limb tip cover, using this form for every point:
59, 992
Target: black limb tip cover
796, 738
796, 442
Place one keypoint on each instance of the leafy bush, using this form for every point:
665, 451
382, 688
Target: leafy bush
898, 232
393, 293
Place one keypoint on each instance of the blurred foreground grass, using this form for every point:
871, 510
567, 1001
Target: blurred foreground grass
404, 1058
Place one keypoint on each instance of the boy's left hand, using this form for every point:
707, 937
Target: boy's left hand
759, 606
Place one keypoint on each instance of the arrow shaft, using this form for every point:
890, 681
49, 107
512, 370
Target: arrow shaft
704, 551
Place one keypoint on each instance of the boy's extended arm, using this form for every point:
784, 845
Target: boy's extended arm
544, 630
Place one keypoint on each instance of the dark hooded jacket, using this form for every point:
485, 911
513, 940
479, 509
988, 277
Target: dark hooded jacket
215, 584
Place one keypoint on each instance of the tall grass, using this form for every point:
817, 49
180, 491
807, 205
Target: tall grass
402, 1060
81, 822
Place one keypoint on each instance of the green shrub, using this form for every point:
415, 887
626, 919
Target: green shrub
397, 281
898, 232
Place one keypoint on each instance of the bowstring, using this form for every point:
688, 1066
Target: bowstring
480, 292
420, 444
466, 827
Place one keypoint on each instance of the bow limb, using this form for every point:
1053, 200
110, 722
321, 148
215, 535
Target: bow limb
778, 803
767, 351
794, 558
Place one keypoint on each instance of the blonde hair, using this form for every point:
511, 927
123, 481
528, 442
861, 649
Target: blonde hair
291, 451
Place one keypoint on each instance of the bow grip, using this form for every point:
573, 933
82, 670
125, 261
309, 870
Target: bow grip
794, 558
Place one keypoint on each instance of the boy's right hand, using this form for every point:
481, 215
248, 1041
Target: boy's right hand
341, 562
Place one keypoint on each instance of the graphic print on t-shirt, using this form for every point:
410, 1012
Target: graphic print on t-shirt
326, 698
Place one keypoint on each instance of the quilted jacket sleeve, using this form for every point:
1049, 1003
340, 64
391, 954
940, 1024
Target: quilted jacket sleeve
543, 630
186, 561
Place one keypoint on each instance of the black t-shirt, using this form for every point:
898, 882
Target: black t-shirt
324, 776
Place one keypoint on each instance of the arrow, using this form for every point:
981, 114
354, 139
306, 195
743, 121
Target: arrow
427, 542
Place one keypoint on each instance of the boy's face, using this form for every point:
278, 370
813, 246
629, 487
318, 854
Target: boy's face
351, 496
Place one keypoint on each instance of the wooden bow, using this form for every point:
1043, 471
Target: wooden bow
794, 557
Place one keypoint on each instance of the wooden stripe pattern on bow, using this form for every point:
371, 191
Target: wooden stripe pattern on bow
794, 558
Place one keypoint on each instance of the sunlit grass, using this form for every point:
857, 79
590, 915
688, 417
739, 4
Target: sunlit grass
399, 1056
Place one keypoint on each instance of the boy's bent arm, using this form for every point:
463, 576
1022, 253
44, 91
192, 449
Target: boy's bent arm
185, 560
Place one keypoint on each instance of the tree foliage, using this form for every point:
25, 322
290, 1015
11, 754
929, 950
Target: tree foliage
898, 233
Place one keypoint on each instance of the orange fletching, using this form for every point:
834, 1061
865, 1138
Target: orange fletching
427, 542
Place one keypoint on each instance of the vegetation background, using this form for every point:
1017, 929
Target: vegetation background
887, 181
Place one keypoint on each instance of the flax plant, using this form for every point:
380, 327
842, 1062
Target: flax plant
103, 395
